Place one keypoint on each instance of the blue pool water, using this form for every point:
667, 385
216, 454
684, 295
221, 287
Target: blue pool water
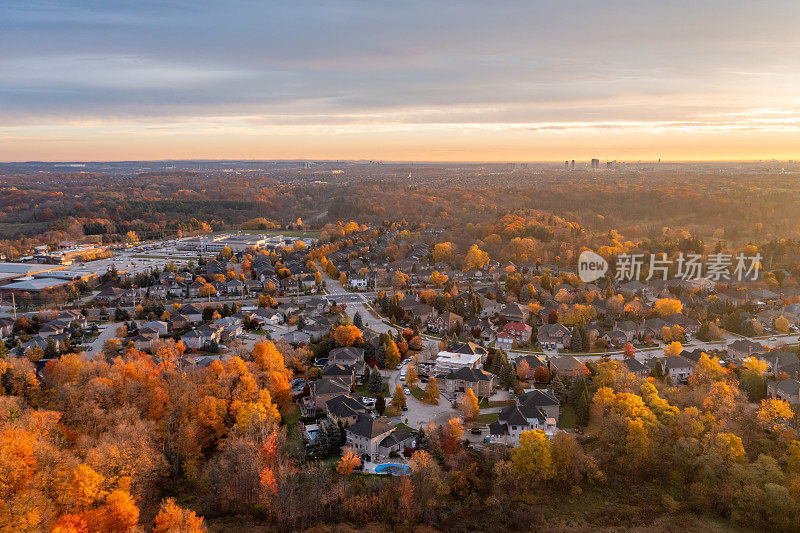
393, 468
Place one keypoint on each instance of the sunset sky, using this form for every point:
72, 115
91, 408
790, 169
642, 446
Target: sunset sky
434, 80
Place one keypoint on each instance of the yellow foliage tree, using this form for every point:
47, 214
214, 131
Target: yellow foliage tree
171, 518
348, 463
398, 398
668, 306
469, 405
774, 414
532, 459
673, 348
476, 258
347, 335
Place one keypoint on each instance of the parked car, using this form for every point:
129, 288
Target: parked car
475, 431
406, 391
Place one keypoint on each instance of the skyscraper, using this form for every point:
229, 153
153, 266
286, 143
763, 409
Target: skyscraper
595, 164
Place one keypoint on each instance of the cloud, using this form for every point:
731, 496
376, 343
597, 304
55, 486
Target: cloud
547, 66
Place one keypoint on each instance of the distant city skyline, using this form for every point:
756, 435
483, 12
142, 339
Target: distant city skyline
435, 81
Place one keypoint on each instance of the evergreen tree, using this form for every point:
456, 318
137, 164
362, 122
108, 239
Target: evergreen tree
334, 440
575, 390
381, 355
587, 345
357, 320
51, 350
582, 409
559, 390
576, 343
375, 382
380, 404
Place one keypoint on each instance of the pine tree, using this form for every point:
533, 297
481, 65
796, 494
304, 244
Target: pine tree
582, 409
381, 355
576, 344
357, 320
587, 345
576, 389
559, 390
334, 439
380, 404
375, 382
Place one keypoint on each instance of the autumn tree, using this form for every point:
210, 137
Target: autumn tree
668, 306
469, 405
392, 353
781, 325
628, 351
432, 391
411, 376
532, 460
398, 398
348, 463
475, 258
347, 335
443, 252
774, 414
673, 348
172, 518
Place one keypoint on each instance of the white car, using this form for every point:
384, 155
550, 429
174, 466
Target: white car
406, 391
773, 339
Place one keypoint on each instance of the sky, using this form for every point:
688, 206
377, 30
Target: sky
399, 80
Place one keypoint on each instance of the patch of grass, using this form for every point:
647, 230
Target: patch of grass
568, 418
363, 390
487, 418
417, 393
291, 414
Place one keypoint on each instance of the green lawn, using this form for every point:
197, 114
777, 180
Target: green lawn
363, 390
487, 418
291, 415
568, 418
418, 393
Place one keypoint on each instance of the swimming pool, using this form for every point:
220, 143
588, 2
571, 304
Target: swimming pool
394, 469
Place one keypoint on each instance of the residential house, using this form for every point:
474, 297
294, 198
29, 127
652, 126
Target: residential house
744, 348
372, 437
344, 408
635, 367
465, 378
444, 322
447, 361
678, 368
515, 419
787, 390
567, 366
344, 373
515, 312
553, 336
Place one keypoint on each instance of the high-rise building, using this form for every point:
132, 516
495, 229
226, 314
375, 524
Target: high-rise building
595, 164
572, 164
566, 165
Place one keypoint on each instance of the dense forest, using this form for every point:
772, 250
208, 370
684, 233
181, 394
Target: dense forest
107, 444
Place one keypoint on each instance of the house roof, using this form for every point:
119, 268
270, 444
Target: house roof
790, 387
329, 386
369, 427
471, 375
538, 398
344, 406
